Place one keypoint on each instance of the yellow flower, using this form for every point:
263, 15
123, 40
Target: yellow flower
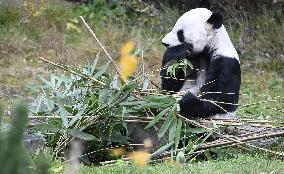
140, 158
128, 63
127, 48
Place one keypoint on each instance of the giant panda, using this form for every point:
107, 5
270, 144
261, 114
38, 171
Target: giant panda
211, 88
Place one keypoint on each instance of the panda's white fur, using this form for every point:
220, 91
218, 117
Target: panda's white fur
198, 32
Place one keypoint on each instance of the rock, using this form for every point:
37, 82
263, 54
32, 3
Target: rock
33, 142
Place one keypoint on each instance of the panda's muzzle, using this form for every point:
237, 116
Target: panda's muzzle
178, 52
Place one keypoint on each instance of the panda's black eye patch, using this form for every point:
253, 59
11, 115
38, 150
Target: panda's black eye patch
180, 36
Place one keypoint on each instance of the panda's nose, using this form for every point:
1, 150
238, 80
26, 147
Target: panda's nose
165, 44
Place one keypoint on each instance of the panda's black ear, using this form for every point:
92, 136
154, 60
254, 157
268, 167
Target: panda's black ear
203, 4
216, 20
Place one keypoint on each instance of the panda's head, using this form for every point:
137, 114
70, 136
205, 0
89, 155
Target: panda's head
197, 28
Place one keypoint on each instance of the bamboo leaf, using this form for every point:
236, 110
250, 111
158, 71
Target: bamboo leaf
45, 127
39, 104
82, 135
133, 103
161, 150
165, 126
160, 99
157, 118
125, 92
76, 117
152, 105
203, 140
63, 113
101, 71
174, 110
94, 64
172, 130
178, 133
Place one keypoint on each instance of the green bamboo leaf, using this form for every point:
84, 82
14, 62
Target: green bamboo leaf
150, 105
124, 93
161, 150
178, 133
45, 127
82, 135
39, 104
205, 138
158, 99
174, 110
195, 146
165, 126
63, 113
103, 96
77, 117
157, 118
133, 103
161, 100
101, 71
172, 130
94, 64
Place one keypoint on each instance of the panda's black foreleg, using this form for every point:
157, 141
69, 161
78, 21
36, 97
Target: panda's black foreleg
193, 107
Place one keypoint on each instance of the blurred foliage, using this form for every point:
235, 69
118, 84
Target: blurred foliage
13, 156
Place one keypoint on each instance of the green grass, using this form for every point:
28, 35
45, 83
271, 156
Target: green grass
262, 95
242, 164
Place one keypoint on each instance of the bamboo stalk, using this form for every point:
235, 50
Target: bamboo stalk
242, 140
148, 119
105, 51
